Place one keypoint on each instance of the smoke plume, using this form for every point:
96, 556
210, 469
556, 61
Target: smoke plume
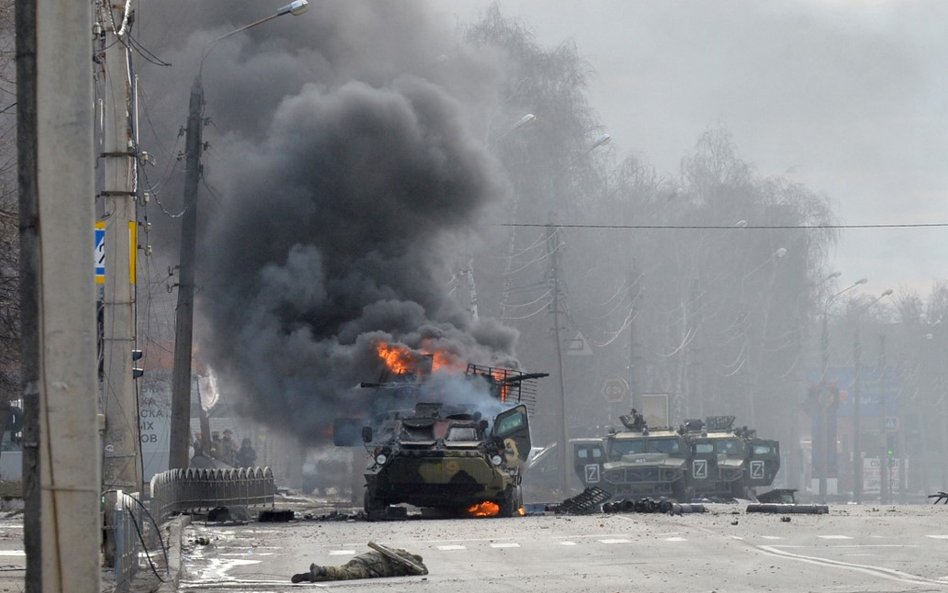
351, 178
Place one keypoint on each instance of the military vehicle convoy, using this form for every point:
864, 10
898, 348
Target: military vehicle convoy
450, 456
698, 459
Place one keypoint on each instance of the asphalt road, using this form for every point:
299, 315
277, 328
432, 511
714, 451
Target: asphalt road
850, 550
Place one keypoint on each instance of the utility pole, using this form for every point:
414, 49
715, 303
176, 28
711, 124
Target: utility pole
184, 316
56, 186
121, 467
553, 247
883, 454
184, 313
857, 396
634, 369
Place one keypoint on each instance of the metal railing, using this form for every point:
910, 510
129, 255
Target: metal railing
180, 490
126, 533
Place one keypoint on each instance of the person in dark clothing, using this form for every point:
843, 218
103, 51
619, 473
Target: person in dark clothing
246, 456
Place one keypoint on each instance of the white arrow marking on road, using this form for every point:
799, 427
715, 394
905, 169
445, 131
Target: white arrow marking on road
453, 547
834, 537
567, 543
937, 536
771, 537
505, 545
614, 541
342, 552
675, 539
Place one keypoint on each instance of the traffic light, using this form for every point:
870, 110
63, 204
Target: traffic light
890, 444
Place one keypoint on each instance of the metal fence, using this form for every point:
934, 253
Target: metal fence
191, 489
126, 533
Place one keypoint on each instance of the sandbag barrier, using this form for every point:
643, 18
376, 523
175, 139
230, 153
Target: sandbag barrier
193, 489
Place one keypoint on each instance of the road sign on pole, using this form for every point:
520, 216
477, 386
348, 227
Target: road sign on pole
615, 390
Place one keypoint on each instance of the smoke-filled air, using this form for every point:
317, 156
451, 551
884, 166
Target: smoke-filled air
399, 173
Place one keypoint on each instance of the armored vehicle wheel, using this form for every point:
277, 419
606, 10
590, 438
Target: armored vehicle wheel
374, 508
681, 493
739, 490
512, 501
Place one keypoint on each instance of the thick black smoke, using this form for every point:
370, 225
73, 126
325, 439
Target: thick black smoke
345, 205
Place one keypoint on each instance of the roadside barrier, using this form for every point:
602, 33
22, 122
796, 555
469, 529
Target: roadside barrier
192, 489
125, 533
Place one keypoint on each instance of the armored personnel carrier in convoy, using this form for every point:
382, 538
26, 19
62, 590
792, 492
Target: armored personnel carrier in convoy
706, 459
458, 457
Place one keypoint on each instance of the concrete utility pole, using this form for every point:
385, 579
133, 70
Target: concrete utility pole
553, 247
56, 186
884, 474
857, 411
121, 467
634, 369
184, 316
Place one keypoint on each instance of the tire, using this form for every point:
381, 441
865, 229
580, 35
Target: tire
681, 493
373, 506
511, 502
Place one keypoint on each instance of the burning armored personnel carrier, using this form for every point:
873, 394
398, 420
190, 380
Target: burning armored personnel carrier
700, 458
456, 453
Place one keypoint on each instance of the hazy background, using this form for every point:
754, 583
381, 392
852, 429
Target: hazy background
847, 97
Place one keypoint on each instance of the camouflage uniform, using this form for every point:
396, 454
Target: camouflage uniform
370, 565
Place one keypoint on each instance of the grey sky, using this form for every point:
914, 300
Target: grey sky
849, 97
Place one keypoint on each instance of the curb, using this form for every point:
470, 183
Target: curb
172, 532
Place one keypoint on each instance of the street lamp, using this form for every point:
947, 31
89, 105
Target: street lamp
823, 455
857, 350
553, 238
184, 319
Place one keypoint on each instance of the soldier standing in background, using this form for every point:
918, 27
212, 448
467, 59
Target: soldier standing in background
228, 450
246, 456
382, 562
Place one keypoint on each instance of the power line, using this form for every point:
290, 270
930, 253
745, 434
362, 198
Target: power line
916, 225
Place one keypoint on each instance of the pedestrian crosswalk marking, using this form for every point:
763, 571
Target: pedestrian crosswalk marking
834, 537
342, 552
451, 547
505, 545
614, 541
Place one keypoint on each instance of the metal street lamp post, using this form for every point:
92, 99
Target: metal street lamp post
824, 352
857, 406
181, 376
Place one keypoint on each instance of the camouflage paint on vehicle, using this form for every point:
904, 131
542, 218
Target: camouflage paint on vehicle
441, 456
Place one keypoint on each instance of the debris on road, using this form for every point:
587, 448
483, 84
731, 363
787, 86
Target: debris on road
800, 509
586, 502
940, 496
651, 505
276, 516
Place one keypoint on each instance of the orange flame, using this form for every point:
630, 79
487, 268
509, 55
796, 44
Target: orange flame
447, 361
399, 359
500, 375
484, 509
522, 512
402, 360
